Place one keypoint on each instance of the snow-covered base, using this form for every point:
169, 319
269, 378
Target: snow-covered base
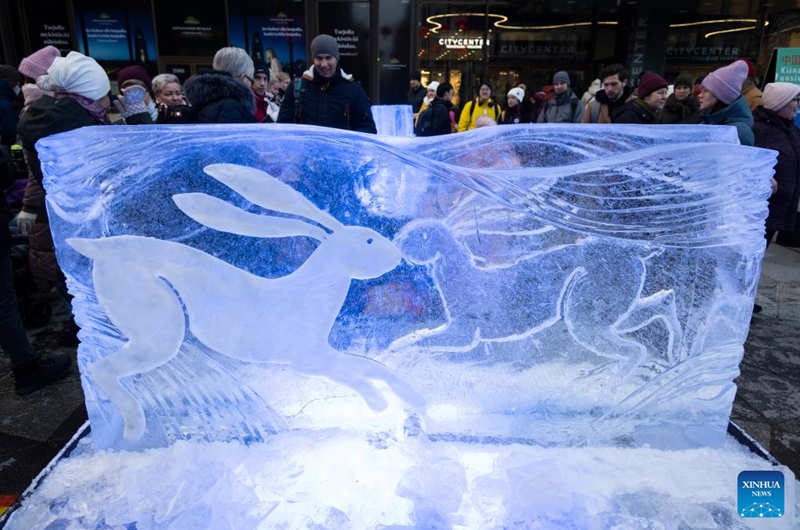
339, 480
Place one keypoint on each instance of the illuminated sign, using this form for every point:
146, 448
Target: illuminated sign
462, 44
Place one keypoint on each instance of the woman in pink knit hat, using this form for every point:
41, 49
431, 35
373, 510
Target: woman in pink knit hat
34, 66
722, 103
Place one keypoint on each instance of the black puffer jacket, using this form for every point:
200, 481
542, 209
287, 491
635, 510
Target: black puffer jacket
773, 132
217, 98
338, 102
681, 112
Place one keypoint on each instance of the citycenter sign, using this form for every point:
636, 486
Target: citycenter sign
462, 44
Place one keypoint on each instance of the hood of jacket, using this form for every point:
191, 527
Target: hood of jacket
204, 89
310, 75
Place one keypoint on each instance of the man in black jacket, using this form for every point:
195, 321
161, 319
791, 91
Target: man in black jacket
328, 96
416, 92
443, 116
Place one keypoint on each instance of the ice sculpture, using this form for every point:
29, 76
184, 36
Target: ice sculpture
394, 120
550, 285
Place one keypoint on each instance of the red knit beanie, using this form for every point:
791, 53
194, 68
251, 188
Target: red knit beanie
649, 83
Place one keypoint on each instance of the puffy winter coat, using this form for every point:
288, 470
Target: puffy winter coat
474, 109
736, 114
565, 109
681, 112
773, 132
217, 98
635, 111
9, 114
45, 117
337, 102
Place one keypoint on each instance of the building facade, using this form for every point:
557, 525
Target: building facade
382, 41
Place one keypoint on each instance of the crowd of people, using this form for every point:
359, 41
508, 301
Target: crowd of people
48, 94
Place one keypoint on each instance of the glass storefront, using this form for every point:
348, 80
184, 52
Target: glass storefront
464, 42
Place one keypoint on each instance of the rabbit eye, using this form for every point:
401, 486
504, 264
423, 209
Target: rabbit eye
369, 241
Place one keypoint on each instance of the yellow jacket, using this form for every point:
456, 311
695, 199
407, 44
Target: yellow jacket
468, 117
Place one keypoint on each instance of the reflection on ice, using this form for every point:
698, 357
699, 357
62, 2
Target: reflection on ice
498, 285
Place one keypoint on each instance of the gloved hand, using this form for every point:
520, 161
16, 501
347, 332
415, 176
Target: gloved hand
25, 222
131, 101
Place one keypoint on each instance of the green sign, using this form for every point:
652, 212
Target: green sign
787, 67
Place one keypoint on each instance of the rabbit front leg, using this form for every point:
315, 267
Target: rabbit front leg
354, 371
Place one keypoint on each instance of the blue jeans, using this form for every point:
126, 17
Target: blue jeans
13, 339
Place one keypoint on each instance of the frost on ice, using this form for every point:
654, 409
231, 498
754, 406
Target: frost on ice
550, 285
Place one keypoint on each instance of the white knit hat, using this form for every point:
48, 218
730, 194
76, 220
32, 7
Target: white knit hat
518, 93
78, 74
433, 85
778, 95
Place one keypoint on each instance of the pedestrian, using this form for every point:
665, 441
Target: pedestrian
722, 103
774, 129
30, 371
136, 75
328, 96
223, 95
591, 91
33, 66
564, 107
427, 102
483, 105
80, 89
10, 88
415, 92
275, 66
645, 108
682, 107
261, 77
615, 94
749, 89
513, 111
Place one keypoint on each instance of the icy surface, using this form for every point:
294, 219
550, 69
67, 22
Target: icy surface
393, 481
548, 285
394, 120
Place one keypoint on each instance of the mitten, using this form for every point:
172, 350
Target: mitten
131, 101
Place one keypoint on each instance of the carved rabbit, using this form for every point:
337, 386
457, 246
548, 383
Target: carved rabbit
151, 289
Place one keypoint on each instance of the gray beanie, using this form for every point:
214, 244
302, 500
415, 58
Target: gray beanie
324, 44
561, 77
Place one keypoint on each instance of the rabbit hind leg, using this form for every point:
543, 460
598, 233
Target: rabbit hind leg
154, 337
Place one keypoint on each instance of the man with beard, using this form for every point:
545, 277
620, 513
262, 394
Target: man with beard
615, 94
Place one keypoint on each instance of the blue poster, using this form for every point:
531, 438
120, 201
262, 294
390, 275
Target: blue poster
283, 32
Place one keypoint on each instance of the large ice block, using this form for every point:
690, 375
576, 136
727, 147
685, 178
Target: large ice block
556, 285
394, 120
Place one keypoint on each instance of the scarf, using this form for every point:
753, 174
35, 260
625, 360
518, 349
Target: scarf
95, 110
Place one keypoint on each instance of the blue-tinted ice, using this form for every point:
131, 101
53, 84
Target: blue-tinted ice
394, 120
551, 285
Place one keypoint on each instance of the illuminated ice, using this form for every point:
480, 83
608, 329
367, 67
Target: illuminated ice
394, 120
547, 285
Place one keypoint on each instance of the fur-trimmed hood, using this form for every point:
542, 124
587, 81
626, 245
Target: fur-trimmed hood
204, 89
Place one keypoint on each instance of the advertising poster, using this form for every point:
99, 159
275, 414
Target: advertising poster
787, 68
190, 29
394, 48
281, 30
111, 36
48, 22
348, 22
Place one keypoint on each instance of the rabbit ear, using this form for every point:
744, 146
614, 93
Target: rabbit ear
265, 190
220, 215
